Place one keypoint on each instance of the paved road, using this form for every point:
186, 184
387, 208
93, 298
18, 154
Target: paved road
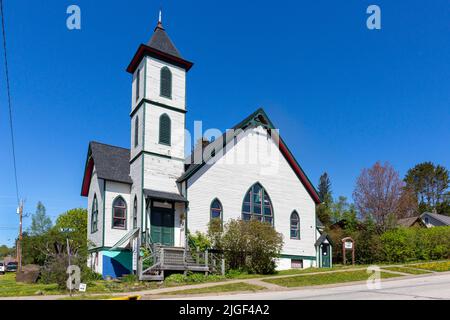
436, 286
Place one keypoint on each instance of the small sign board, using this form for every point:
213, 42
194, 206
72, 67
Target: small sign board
348, 245
82, 287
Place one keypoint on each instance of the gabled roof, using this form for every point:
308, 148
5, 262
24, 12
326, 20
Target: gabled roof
408, 222
444, 219
111, 163
161, 47
257, 118
324, 236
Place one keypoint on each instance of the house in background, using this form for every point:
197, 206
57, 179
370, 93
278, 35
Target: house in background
411, 222
150, 195
431, 219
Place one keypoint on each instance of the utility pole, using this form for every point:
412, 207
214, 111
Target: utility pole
19, 242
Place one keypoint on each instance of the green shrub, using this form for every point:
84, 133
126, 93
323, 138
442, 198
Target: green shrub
130, 278
410, 244
251, 246
192, 277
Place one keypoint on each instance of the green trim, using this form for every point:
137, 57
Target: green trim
158, 104
97, 249
154, 154
288, 256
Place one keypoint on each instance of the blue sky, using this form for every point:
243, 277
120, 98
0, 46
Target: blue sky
343, 96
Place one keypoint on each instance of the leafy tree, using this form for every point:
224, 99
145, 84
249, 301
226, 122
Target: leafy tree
40, 222
6, 251
430, 183
379, 194
250, 246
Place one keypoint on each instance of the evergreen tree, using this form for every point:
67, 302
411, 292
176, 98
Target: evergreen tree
324, 209
40, 222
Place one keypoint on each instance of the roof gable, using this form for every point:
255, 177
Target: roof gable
258, 118
111, 163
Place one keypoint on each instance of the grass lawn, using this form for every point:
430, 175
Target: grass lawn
328, 278
406, 270
10, 288
232, 287
434, 266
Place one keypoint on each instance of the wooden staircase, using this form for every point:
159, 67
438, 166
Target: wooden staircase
164, 258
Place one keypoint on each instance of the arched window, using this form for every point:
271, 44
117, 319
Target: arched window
216, 209
136, 132
135, 213
295, 226
257, 205
119, 214
138, 83
166, 83
164, 130
94, 215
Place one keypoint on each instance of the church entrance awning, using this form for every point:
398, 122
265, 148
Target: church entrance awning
164, 196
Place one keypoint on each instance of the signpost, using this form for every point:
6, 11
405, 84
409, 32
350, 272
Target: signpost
348, 244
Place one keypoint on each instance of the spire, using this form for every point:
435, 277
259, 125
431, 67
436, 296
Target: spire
161, 41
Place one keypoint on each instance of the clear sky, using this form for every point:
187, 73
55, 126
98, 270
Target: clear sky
343, 96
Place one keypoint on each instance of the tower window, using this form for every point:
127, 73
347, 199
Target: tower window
138, 83
136, 132
164, 130
166, 83
135, 213
119, 214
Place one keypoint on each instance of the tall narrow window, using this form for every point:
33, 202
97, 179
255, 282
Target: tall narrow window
166, 83
216, 209
164, 130
119, 214
135, 213
138, 83
136, 131
257, 205
295, 226
94, 215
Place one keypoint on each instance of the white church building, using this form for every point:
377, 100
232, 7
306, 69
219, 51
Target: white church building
144, 199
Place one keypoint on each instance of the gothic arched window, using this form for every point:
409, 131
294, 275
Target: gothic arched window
216, 209
119, 213
136, 131
135, 213
94, 215
164, 130
257, 205
166, 83
295, 226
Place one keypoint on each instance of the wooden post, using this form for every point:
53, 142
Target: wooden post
19, 243
223, 267
162, 257
206, 261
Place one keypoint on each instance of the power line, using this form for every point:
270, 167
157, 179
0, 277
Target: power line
9, 101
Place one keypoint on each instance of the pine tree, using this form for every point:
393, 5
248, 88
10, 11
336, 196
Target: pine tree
40, 222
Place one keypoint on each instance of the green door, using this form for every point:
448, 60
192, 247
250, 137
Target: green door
162, 226
325, 256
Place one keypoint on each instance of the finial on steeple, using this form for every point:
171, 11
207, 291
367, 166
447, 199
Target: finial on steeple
160, 16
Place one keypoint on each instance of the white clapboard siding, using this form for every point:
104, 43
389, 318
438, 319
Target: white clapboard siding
134, 101
113, 190
229, 182
95, 188
161, 173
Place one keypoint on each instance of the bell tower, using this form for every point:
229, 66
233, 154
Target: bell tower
158, 108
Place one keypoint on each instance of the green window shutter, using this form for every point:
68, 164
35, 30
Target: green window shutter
164, 130
166, 83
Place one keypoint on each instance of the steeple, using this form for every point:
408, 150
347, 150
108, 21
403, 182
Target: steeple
159, 46
161, 41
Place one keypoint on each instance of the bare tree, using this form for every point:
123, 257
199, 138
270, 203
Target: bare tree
381, 195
